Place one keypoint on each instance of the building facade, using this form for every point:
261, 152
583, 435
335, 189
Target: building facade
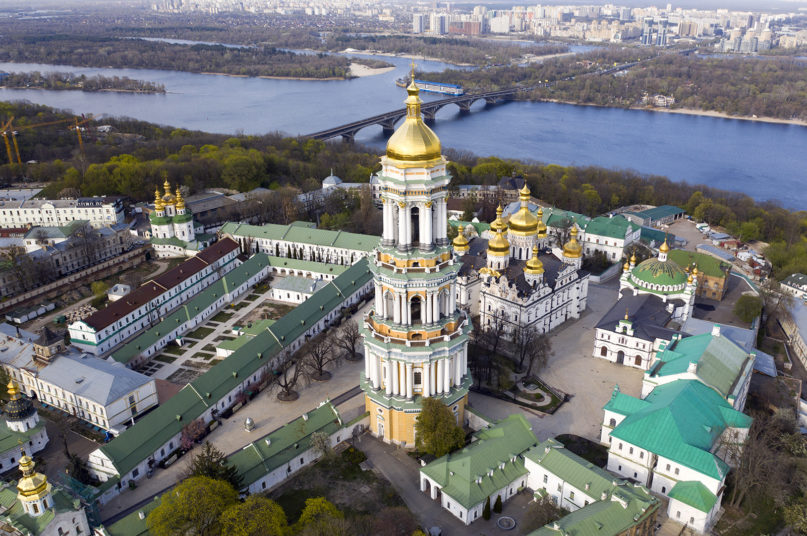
99, 211
174, 232
415, 338
140, 309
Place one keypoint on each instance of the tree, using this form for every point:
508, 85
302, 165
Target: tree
256, 516
191, 433
287, 380
748, 307
538, 354
393, 521
540, 513
99, 288
497, 506
212, 463
486, 509
318, 354
317, 515
193, 507
321, 444
437, 431
348, 338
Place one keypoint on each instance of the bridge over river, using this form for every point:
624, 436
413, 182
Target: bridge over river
387, 120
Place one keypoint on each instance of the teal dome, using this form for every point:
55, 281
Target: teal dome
663, 277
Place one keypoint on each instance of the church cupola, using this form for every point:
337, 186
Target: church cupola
19, 411
498, 246
663, 251
460, 242
33, 489
523, 227
534, 269
159, 207
572, 250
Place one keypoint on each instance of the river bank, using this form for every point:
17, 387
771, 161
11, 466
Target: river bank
356, 70
683, 111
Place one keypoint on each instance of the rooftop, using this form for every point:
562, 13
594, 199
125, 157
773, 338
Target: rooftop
663, 211
95, 379
303, 235
485, 466
647, 313
303, 285
706, 264
681, 420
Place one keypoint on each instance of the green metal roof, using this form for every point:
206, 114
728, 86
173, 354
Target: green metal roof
658, 272
580, 473
694, 494
9, 439
615, 227
277, 448
303, 235
132, 525
720, 362
555, 217
246, 335
201, 301
682, 421
628, 506
706, 263
663, 211
155, 429
478, 225
624, 404
486, 465
312, 266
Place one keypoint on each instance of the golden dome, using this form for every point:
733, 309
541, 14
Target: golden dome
13, 391
414, 142
523, 222
633, 257
690, 279
541, 225
664, 247
498, 224
572, 249
180, 201
32, 485
626, 267
460, 242
534, 265
498, 245
158, 201
695, 271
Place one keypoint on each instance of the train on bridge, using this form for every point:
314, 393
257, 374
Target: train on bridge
432, 87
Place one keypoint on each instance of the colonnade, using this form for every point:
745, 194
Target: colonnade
436, 305
398, 377
398, 223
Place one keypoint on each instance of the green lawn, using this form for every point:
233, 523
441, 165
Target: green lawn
200, 333
162, 358
201, 355
209, 348
222, 316
172, 349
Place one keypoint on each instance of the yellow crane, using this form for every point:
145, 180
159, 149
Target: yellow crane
9, 130
5, 132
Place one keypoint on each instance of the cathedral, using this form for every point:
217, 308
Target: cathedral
173, 232
513, 280
415, 338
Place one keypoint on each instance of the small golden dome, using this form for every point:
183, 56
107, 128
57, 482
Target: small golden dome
32, 485
541, 225
626, 267
460, 242
664, 247
180, 201
413, 142
572, 249
158, 201
695, 271
633, 257
523, 222
13, 391
534, 265
167, 186
498, 245
690, 279
498, 224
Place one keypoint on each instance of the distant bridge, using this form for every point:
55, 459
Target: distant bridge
387, 120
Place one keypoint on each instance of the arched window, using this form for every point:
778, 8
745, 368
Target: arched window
604, 351
612, 422
418, 378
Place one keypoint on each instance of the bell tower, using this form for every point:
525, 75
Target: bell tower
415, 338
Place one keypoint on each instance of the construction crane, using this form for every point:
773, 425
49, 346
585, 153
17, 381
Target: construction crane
8, 129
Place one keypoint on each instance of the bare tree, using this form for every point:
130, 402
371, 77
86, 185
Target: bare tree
493, 332
775, 301
321, 443
538, 353
287, 379
348, 339
523, 337
318, 353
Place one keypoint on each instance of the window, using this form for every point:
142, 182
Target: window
301, 461
546, 479
668, 466
571, 495
678, 515
620, 446
560, 488
663, 489
631, 450
641, 454
676, 470
691, 520
135, 472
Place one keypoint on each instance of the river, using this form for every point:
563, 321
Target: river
764, 160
